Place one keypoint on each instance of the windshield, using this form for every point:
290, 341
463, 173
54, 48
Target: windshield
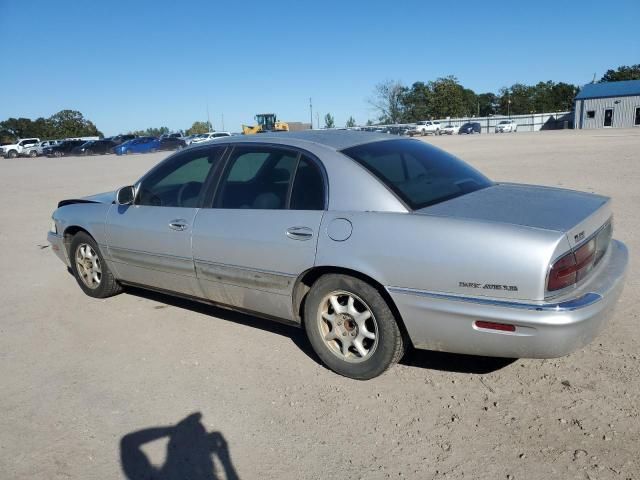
420, 174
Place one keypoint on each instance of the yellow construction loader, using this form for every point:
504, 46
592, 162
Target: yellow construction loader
267, 122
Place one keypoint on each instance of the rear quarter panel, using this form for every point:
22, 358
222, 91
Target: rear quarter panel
440, 254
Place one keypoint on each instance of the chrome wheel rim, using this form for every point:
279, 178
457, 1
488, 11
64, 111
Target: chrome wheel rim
88, 266
348, 327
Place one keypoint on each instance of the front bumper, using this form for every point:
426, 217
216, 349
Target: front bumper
444, 322
58, 247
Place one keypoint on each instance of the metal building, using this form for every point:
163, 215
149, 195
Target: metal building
610, 104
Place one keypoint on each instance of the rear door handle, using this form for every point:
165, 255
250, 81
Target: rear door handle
178, 224
299, 233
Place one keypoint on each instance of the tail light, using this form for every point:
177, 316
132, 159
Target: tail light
575, 265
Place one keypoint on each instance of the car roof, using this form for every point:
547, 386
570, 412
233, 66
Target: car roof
333, 139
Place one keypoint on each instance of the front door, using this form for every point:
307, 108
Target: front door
608, 117
262, 229
150, 241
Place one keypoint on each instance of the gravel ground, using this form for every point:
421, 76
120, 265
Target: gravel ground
243, 397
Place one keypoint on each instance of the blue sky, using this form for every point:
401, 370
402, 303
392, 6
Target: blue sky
135, 64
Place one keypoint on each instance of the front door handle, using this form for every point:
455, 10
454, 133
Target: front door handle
178, 224
299, 233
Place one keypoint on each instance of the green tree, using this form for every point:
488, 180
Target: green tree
351, 122
623, 72
329, 121
369, 123
416, 102
488, 103
199, 127
387, 101
448, 98
150, 132
71, 123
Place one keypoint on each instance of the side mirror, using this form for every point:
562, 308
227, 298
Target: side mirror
126, 195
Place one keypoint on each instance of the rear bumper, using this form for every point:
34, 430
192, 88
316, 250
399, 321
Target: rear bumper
58, 247
543, 330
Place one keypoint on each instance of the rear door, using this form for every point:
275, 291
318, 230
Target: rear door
150, 241
261, 229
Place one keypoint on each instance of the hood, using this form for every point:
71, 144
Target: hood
577, 214
106, 197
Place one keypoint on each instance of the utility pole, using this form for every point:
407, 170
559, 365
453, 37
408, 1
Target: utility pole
318, 119
311, 112
208, 122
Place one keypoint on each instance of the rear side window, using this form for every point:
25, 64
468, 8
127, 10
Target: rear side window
308, 187
420, 174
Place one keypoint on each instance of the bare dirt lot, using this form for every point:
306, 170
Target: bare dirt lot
79, 375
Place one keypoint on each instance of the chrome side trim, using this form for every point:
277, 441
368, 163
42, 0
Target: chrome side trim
566, 306
153, 261
245, 277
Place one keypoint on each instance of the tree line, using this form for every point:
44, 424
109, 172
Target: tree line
446, 97
64, 124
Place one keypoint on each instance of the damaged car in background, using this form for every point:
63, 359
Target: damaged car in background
370, 243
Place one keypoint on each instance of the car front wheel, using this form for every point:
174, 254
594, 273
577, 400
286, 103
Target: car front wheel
89, 268
351, 327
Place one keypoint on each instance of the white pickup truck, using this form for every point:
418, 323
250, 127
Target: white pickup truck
12, 151
427, 127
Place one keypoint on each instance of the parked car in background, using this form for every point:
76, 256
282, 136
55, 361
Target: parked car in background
14, 149
63, 148
172, 135
428, 127
38, 148
450, 129
369, 242
470, 128
138, 145
119, 139
190, 138
94, 147
205, 137
171, 143
506, 126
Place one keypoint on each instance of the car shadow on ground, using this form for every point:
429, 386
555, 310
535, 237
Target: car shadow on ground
191, 453
449, 362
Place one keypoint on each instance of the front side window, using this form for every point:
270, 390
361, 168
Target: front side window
257, 178
179, 181
591, 114
420, 174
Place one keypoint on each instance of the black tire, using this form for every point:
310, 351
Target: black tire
33, 154
390, 346
108, 285
12, 154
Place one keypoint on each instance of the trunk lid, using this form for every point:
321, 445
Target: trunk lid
577, 214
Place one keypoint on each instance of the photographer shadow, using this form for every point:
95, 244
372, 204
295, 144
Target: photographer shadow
190, 453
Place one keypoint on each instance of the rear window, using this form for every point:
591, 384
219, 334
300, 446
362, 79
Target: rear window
420, 174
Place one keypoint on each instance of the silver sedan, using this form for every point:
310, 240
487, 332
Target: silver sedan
369, 242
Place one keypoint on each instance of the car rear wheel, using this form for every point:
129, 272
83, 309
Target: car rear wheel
89, 268
351, 327
33, 154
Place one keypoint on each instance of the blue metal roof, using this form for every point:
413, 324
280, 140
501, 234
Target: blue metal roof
625, 88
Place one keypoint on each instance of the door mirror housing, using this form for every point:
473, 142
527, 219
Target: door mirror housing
126, 195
